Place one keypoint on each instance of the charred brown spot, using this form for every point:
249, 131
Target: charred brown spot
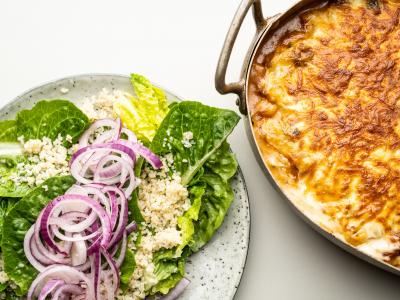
374, 5
302, 54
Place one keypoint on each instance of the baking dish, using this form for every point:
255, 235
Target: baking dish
270, 30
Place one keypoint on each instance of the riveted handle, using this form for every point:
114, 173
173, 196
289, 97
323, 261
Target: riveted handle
220, 75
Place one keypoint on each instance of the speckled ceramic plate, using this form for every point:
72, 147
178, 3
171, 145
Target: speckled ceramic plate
216, 270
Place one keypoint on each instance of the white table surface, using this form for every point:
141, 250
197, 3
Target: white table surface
177, 44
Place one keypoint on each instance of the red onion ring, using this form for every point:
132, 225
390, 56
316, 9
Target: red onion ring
146, 153
73, 199
113, 134
61, 272
28, 250
49, 288
131, 136
67, 289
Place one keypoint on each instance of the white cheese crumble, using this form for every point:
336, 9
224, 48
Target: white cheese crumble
68, 138
162, 199
101, 105
45, 159
187, 139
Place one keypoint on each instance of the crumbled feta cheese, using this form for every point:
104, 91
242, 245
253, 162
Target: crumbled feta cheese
68, 138
64, 90
33, 146
101, 106
45, 159
187, 137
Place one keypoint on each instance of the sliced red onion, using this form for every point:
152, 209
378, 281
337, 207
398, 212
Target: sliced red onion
110, 135
49, 288
67, 290
60, 272
131, 136
146, 153
118, 177
123, 215
56, 257
77, 190
68, 200
114, 208
96, 242
132, 227
78, 253
75, 238
96, 271
82, 221
126, 161
109, 171
114, 272
100, 197
28, 250
85, 267
39, 255
116, 147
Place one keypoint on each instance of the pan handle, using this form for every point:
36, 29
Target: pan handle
220, 75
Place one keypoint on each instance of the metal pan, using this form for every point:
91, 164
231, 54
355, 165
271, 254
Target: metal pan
265, 28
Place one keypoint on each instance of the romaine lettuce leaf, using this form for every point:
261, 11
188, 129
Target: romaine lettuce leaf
19, 219
145, 113
210, 127
5, 206
9, 293
223, 163
10, 155
134, 211
169, 269
218, 196
8, 131
8, 188
164, 286
215, 204
51, 118
128, 267
186, 221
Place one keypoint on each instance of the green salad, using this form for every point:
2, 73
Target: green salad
108, 200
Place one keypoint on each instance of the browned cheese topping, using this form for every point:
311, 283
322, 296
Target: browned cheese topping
325, 106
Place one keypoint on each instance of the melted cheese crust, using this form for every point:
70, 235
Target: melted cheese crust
325, 109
